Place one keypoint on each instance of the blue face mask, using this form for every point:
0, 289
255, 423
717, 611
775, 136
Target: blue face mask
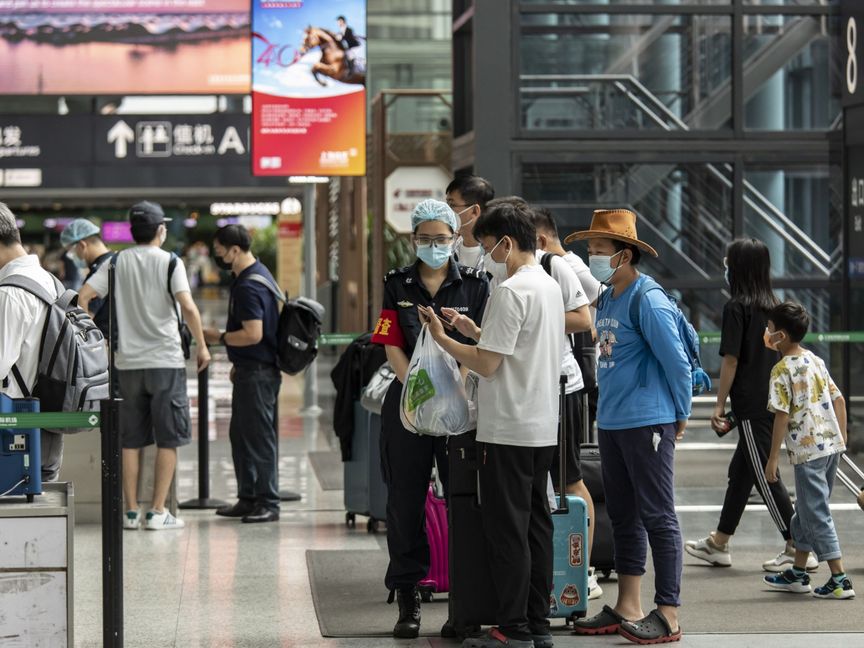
434, 256
601, 268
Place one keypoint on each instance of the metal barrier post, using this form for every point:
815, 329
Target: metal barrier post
112, 527
203, 501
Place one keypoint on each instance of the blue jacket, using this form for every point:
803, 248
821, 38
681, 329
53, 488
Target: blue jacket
643, 379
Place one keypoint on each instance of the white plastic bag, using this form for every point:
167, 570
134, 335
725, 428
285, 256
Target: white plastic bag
433, 397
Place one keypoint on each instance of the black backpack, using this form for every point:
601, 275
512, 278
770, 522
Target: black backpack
582, 344
299, 329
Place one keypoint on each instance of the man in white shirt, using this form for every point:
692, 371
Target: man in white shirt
22, 317
568, 269
468, 196
150, 365
518, 358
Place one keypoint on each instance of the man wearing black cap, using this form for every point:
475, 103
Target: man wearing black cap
250, 339
150, 363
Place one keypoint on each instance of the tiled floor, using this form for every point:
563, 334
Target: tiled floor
220, 583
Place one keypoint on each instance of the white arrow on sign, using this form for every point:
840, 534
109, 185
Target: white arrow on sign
120, 136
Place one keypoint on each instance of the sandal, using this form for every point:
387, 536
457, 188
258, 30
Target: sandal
607, 622
653, 629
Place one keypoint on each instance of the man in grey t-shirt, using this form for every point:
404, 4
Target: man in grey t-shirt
149, 359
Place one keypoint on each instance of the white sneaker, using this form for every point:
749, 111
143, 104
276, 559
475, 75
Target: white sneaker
709, 551
785, 559
594, 589
132, 520
162, 521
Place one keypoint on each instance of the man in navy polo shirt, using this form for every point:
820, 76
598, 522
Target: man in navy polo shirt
250, 339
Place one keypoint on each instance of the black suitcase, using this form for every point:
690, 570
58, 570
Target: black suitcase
473, 599
602, 557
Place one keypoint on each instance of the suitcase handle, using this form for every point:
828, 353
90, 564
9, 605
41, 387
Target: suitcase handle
562, 444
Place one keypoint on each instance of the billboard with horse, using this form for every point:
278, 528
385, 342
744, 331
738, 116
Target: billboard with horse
309, 87
124, 47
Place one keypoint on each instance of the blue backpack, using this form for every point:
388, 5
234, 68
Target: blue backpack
701, 380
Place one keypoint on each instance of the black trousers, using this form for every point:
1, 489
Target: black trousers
748, 468
253, 435
406, 464
517, 524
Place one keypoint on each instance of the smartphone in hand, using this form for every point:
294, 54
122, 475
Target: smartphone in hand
731, 424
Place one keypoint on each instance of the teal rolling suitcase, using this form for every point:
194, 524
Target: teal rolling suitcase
569, 598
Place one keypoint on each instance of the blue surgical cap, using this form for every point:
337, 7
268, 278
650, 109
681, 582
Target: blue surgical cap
434, 210
78, 230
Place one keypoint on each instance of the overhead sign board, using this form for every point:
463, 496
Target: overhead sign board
406, 187
309, 87
79, 151
852, 51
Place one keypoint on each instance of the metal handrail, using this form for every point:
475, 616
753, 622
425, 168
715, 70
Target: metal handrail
804, 244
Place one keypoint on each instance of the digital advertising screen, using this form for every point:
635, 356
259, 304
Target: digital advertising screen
309, 87
124, 47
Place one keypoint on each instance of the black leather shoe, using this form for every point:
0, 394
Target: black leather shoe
408, 625
239, 509
261, 514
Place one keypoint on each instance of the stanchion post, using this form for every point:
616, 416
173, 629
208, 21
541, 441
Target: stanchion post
203, 501
112, 527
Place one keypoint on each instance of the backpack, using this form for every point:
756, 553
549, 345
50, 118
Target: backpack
688, 335
582, 344
299, 329
72, 372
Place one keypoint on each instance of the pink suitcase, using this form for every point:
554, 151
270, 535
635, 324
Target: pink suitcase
438, 578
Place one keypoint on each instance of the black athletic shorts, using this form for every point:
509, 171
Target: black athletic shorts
573, 403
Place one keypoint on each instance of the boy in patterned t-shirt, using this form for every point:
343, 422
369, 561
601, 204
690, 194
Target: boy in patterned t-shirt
810, 415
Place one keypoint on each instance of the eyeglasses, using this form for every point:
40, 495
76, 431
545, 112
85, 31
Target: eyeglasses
437, 241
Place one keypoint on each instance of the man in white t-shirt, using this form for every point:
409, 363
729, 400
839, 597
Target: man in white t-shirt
149, 357
518, 358
468, 196
22, 317
549, 243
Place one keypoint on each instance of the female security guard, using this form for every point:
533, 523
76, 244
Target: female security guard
437, 281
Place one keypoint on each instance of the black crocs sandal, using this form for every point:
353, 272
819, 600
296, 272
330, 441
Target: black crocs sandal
653, 629
605, 623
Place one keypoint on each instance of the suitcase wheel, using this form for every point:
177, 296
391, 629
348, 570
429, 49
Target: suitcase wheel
372, 525
607, 573
426, 594
350, 520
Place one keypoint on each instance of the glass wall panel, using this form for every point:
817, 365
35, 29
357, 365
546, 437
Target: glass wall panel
787, 74
632, 2
797, 211
685, 212
647, 72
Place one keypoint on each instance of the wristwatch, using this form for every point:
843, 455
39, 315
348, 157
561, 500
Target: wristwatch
222, 338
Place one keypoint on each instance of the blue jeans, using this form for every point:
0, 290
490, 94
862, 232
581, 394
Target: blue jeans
812, 525
253, 434
639, 483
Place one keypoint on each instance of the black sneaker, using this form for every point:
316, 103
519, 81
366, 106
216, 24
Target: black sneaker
408, 625
834, 590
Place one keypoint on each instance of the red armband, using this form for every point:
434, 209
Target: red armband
387, 330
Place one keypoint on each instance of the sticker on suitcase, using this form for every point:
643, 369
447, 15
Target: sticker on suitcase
570, 595
576, 549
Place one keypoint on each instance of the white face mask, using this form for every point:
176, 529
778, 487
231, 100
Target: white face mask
498, 269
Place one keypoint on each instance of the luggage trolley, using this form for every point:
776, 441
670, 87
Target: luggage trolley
849, 483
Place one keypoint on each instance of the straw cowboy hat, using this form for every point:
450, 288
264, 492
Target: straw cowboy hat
617, 224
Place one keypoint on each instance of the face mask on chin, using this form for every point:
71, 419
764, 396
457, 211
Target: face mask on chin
498, 269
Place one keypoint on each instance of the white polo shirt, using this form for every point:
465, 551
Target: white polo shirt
524, 322
22, 317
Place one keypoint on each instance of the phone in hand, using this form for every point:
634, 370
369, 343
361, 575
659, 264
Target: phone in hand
731, 424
